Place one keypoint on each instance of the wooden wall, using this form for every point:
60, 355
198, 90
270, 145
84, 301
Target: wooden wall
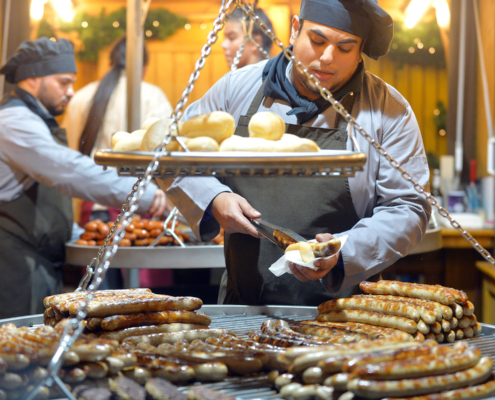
172, 61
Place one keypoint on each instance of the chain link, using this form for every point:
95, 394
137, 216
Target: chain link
325, 93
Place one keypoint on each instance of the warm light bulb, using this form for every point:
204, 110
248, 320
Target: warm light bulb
443, 13
64, 9
415, 10
37, 9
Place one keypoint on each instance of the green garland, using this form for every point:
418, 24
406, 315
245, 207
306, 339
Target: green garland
405, 39
98, 31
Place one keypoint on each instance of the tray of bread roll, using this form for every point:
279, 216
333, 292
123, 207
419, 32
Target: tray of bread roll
214, 150
371, 346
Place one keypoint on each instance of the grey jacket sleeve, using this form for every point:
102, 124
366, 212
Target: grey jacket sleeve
396, 215
28, 147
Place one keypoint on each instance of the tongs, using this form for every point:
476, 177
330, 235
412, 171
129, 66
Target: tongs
281, 237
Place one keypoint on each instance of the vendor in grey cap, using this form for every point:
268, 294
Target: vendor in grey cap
39, 174
382, 215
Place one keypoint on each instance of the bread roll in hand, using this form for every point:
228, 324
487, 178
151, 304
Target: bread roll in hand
311, 250
266, 125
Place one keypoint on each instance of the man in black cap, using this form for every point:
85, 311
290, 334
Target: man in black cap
39, 174
382, 214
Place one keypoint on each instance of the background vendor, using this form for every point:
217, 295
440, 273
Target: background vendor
39, 174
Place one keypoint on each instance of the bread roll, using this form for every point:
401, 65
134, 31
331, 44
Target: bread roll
117, 136
299, 145
202, 143
218, 125
131, 143
148, 122
239, 143
155, 131
139, 132
266, 125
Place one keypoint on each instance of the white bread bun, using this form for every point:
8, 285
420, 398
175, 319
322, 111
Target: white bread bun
154, 130
239, 143
117, 136
132, 143
139, 132
218, 125
266, 125
296, 144
202, 143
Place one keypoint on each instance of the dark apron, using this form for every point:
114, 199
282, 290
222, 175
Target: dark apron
308, 206
33, 230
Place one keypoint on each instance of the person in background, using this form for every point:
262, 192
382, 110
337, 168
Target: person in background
382, 214
39, 174
94, 114
235, 30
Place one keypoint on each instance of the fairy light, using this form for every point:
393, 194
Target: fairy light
84, 24
37, 9
415, 10
187, 27
443, 13
64, 9
116, 24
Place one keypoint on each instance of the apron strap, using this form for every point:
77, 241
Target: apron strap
348, 103
253, 108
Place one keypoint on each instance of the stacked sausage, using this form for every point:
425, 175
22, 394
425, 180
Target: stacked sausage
141, 232
424, 311
387, 369
116, 314
25, 354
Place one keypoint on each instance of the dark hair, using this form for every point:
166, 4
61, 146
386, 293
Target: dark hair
102, 96
266, 42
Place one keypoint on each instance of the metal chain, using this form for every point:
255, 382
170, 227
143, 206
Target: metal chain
106, 252
325, 93
247, 37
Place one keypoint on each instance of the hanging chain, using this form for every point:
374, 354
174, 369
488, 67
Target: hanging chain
247, 37
325, 93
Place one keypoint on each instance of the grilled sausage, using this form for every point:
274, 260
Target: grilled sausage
437, 293
121, 334
468, 308
116, 322
425, 306
476, 392
458, 310
389, 321
374, 332
414, 387
158, 338
437, 363
370, 304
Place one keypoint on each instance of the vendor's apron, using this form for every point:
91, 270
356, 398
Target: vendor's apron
306, 205
33, 230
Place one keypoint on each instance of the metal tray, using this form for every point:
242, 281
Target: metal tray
322, 164
161, 257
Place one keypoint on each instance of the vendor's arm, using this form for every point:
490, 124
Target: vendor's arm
28, 148
394, 216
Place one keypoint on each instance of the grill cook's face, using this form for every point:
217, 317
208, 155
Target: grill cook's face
55, 91
331, 55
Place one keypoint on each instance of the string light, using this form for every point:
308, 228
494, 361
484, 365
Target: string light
443, 13
432, 50
187, 26
415, 10
84, 24
156, 24
412, 50
64, 9
36, 10
148, 33
420, 45
116, 24
442, 132
203, 26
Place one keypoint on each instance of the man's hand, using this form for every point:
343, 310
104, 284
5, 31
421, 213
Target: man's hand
159, 204
306, 274
229, 209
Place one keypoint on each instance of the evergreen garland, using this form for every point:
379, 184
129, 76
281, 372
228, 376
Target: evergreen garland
427, 35
98, 31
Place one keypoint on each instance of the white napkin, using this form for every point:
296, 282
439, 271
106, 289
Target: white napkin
281, 266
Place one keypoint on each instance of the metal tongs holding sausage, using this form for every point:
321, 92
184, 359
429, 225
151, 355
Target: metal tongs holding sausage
289, 240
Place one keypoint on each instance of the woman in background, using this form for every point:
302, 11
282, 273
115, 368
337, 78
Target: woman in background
94, 114
234, 37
